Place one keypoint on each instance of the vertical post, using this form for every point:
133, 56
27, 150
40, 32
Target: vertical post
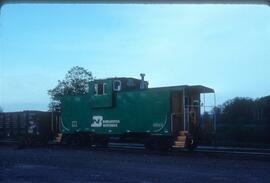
204, 101
187, 116
215, 127
56, 122
184, 110
52, 119
59, 125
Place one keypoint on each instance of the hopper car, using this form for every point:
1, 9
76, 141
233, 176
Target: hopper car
29, 128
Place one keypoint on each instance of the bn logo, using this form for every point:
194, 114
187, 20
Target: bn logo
97, 121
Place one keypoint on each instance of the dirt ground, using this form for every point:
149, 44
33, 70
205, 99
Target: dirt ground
84, 165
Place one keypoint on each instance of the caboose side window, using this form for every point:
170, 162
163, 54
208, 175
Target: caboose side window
116, 85
105, 88
99, 89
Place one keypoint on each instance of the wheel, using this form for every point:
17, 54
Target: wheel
104, 142
164, 145
191, 144
101, 141
149, 144
22, 142
66, 140
158, 143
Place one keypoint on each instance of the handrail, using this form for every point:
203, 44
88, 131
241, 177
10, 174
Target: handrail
64, 125
163, 125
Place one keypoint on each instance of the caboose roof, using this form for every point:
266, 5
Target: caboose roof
201, 89
116, 78
188, 88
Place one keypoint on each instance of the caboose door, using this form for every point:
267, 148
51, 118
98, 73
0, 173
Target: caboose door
177, 114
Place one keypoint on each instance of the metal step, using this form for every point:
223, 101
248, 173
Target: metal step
179, 143
178, 146
58, 138
183, 133
181, 138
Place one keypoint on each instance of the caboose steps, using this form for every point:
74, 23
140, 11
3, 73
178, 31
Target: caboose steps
58, 138
181, 140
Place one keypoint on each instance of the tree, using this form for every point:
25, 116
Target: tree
239, 109
263, 108
75, 83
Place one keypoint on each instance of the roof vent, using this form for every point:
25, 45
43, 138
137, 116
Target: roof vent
142, 81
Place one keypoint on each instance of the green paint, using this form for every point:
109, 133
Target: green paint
118, 112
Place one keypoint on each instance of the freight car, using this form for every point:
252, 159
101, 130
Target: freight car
125, 109
29, 127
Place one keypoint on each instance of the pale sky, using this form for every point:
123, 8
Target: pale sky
225, 47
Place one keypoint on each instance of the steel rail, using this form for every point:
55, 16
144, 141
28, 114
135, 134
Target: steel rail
136, 148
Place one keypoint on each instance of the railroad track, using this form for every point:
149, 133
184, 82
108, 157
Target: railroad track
230, 152
234, 150
248, 153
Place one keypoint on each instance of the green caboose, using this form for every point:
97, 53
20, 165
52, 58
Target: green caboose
127, 110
